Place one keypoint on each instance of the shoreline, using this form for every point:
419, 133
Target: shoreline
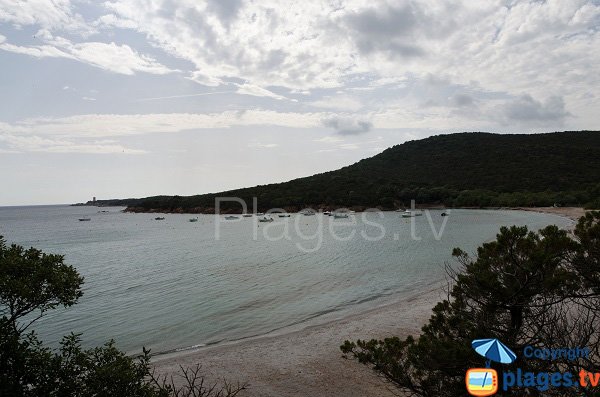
308, 361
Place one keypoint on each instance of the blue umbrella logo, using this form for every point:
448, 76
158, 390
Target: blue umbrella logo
493, 350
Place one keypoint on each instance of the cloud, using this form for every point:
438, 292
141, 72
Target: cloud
531, 111
259, 145
112, 57
329, 139
347, 125
462, 100
20, 144
338, 102
48, 14
381, 52
387, 29
226, 10
254, 90
109, 125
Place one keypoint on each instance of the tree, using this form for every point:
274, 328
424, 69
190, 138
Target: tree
523, 289
31, 283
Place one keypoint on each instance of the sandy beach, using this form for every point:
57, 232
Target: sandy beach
573, 213
308, 362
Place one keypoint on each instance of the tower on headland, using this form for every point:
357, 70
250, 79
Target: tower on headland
94, 200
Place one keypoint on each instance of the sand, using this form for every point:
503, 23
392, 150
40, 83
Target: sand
573, 213
308, 362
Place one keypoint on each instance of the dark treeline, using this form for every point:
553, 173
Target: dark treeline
456, 170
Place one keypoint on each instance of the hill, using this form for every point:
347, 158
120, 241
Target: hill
465, 169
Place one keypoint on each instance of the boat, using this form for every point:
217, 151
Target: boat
247, 215
85, 219
231, 217
327, 213
309, 213
284, 215
340, 215
194, 219
411, 214
159, 218
265, 219
444, 214
260, 213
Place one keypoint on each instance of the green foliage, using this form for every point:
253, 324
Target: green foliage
468, 169
31, 283
525, 288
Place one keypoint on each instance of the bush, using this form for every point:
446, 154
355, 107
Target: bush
525, 288
31, 283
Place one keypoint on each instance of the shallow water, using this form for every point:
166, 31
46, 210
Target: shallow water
173, 284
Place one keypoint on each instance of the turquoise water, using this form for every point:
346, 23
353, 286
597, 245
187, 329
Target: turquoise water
172, 284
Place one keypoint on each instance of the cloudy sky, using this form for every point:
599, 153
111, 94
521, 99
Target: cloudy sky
129, 98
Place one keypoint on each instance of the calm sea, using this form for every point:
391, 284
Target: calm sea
172, 284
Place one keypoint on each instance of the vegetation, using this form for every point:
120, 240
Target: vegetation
526, 288
31, 283
456, 170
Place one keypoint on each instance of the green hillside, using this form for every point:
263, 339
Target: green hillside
466, 169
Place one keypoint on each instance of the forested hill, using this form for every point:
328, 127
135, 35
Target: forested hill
466, 169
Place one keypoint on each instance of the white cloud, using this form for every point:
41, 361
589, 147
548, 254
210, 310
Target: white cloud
34, 143
254, 90
329, 139
108, 56
259, 145
49, 14
107, 125
380, 55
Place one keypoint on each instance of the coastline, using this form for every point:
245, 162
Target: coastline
308, 362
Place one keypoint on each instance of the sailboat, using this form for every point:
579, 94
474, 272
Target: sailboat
411, 213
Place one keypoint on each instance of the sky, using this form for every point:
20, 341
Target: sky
131, 98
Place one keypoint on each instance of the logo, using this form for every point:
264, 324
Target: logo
483, 382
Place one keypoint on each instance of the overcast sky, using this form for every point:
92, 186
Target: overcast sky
130, 98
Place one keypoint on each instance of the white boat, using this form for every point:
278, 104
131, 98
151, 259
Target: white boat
265, 219
411, 214
260, 213
340, 215
309, 213
327, 213
231, 217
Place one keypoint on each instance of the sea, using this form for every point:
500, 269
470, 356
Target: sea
172, 284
